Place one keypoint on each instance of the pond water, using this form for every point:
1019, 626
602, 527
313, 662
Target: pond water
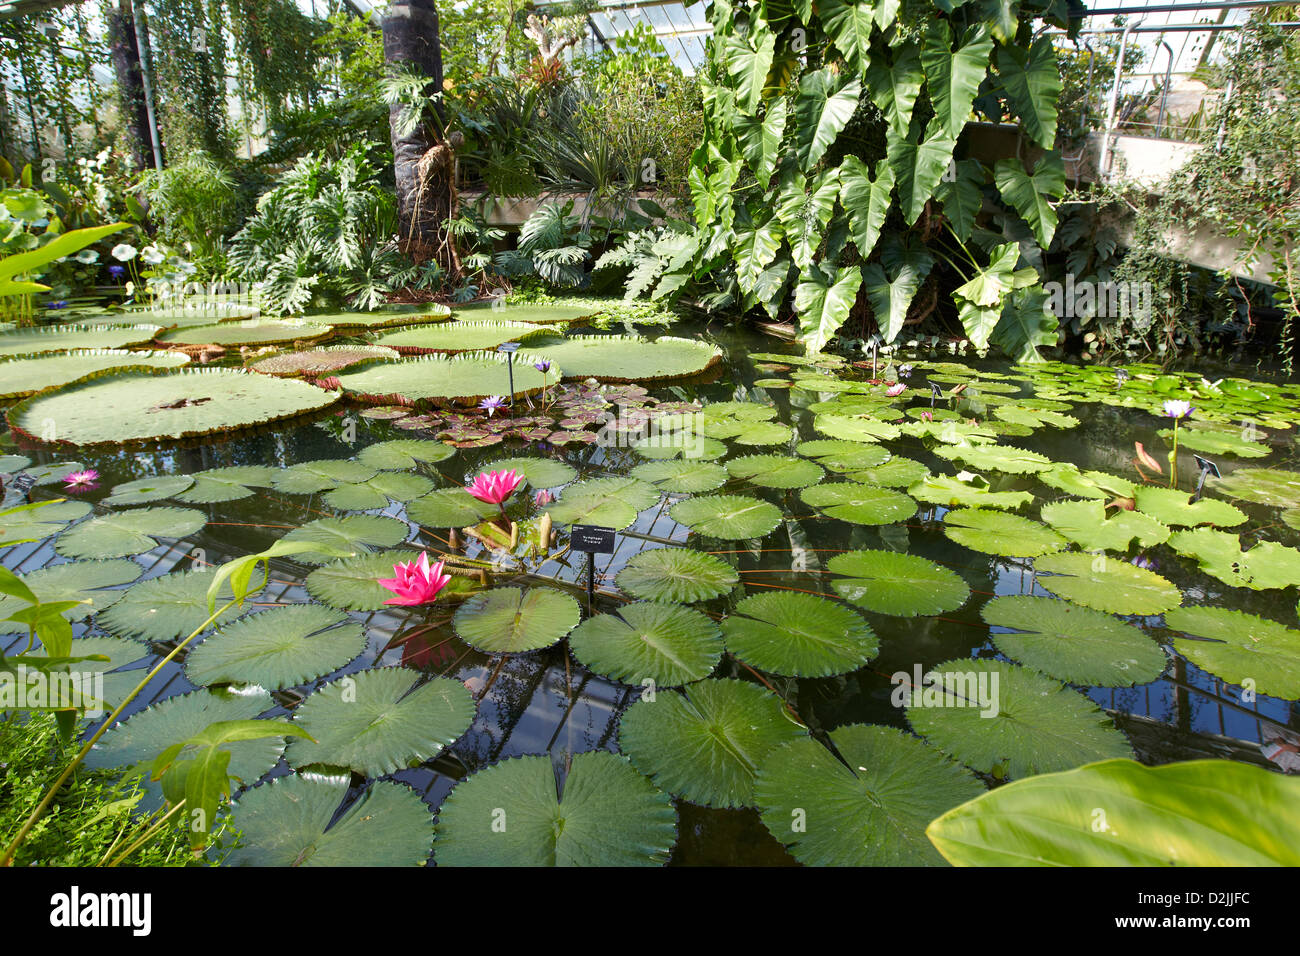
547, 702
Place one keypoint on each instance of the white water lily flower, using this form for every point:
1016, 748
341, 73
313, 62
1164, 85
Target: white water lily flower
152, 255
124, 252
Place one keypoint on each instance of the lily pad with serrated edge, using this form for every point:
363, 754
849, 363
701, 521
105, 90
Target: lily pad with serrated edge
376, 492
664, 643
1106, 584
609, 502
321, 361
1074, 644
682, 477
144, 490
23, 523
1086, 484
775, 471
218, 485
539, 472
290, 821
1084, 521
25, 375
379, 721
1176, 508
456, 336
66, 338
895, 473
353, 583
995, 532
404, 453
514, 620
872, 812
1220, 555
281, 647
449, 508
1214, 442
902, 585
749, 432
11, 463
75, 581
729, 517
1004, 458
855, 428
706, 743
603, 814
951, 492
859, 504
360, 533
246, 332
124, 533
799, 635
310, 477
143, 736
686, 444
166, 608
1237, 647
1023, 725
441, 379
676, 575
1265, 486
627, 358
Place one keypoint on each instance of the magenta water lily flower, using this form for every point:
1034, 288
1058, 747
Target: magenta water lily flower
81, 480
898, 388
492, 403
415, 582
1176, 408
494, 487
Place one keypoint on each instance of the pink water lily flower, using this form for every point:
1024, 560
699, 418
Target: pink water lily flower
495, 487
898, 388
543, 498
81, 480
415, 582
927, 416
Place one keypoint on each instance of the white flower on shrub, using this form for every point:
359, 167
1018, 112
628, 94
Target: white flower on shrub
152, 255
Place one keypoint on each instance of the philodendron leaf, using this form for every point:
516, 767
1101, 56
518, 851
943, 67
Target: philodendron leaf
1032, 83
823, 301
1192, 813
872, 811
962, 196
804, 208
895, 87
891, 298
1025, 325
1032, 195
919, 167
849, 25
866, 199
952, 78
822, 108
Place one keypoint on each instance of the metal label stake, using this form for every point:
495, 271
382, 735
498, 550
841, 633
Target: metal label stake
1207, 468
591, 540
935, 393
510, 348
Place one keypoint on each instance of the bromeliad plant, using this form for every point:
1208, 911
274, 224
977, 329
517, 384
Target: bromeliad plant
830, 173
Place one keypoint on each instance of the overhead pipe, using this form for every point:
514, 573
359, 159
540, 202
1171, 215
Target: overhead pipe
1104, 161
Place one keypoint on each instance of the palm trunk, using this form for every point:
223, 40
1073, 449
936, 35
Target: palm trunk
126, 64
423, 165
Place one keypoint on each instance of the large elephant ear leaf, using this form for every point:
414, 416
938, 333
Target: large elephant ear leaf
890, 300
823, 302
754, 251
1000, 16
920, 167
805, 212
961, 195
749, 62
849, 25
866, 200
1032, 84
1032, 195
760, 139
822, 108
894, 88
1025, 324
952, 78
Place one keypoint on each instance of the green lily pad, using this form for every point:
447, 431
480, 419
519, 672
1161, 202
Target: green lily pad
442, 379
321, 361
539, 472
682, 477
1106, 584
514, 620
379, 721
123, 533
281, 647
11, 463
648, 641
855, 428
166, 608
1084, 522
309, 477
404, 454
144, 490
903, 585
799, 635
65, 338
706, 743
627, 358
516, 814
729, 517
1176, 508
995, 532
1086, 484
952, 492
1073, 644
676, 576
376, 492
1004, 458
895, 473
687, 444
290, 822
1219, 554
26, 523
1265, 486
1240, 647
76, 581
353, 583
1010, 721
1210, 440
354, 533
859, 504
246, 332
219, 485
842, 456
775, 471
26, 375
449, 508
609, 502
872, 812
456, 336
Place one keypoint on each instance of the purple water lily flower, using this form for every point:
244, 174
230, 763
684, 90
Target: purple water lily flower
904, 371
117, 271
1176, 408
56, 305
543, 366
492, 403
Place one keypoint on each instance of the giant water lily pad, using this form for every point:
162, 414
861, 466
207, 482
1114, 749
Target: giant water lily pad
281, 647
139, 405
648, 641
11, 463
872, 812
1219, 554
730, 517
904, 585
449, 508
611, 502
442, 379
1010, 721
799, 635
516, 814
456, 336
290, 822
376, 492
676, 575
75, 581
513, 620
122, 533
404, 454
1176, 508
141, 738
421, 314
65, 338
857, 503
25, 375
1071, 643
379, 721
247, 332
353, 583
533, 313
354, 533
682, 477
168, 607
25, 523
1240, 647
627, 358
321, 361
1084, 522
706, 743
995, 532
1265, 486
775, 471
1106, 584
217, 485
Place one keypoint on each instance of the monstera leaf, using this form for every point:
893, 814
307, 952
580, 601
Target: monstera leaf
1032, 83
872, 811
644, 641
798, 635
822, 108
1190, 813
515, 813
953, 77
676, 575
1032, 195
822, 301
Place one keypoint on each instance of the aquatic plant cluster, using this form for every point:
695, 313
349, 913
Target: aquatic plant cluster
430, 547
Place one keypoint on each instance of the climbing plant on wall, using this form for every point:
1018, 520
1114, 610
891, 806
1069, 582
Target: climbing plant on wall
833, 174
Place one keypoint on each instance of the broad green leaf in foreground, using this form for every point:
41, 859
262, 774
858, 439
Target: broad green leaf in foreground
1106, 584
888, 582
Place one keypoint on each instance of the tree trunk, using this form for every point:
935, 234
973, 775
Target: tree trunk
126, 64
423, 165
